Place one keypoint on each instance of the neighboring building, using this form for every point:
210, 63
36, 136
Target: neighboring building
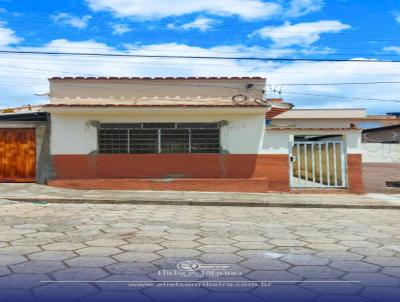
381, 155
383, 135
200, 134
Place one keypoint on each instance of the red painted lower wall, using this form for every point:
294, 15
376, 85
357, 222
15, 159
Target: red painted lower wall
192, 172
270, 172
354, 168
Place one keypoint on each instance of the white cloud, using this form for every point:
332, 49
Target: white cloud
396, 15
73, 21
302, 34
395, 49
121, 29
21, 71
299, 8
8, 36
200, 23
246, 9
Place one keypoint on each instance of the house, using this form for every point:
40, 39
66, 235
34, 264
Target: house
381, 153
199, 134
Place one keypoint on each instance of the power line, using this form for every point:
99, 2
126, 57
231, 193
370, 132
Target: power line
341, 97
337, 84
195, 57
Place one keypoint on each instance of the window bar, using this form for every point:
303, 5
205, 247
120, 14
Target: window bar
129, 141
159, 141
190, 141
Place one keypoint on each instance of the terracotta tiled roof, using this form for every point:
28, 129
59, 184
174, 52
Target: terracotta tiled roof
157, 78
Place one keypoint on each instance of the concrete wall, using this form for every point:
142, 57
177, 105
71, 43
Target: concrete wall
153, 88
380, 153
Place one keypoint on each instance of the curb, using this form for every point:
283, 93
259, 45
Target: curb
209, 203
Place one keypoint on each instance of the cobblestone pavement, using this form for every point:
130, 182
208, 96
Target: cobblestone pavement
112, 244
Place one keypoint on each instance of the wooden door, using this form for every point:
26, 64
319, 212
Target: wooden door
17, 155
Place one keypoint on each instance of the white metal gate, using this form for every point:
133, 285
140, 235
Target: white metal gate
319, 164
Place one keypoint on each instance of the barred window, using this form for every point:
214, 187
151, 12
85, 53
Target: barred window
151, 138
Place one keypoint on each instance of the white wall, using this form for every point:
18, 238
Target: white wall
277, 141
72, 133
381, 153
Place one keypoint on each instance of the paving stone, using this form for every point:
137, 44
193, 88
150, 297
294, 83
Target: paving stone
179, 253
383, 261
4, 271
11, 259
327, 247
137, 257
105, 242
263, 264
62, 246
287, 242
354, 266
216, 240
32, 241
79, 273
37, 267
52, 255
382, 293
209, 248
373, 279
171, 294
16, 295
89, 261
123, 286
220, 258
358, 243
392, 271
22, 281
145, 247
249, 238
19, 249
341, 298
287, 293
107, 296
180, 244
339, 255
371, 251
62, 291
316, 272
131, 268
304, 260
336, 288
254, 245
273, 276
98, 251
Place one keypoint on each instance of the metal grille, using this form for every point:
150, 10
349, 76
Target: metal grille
150, 138
318, 164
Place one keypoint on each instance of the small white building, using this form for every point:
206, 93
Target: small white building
200, 134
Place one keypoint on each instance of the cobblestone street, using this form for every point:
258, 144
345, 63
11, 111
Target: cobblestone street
346, 252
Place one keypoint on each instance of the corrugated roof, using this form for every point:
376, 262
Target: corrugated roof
157, 78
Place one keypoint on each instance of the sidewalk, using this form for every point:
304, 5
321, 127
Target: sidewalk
40, 193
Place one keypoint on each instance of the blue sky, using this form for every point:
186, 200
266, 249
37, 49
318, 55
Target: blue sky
342, 29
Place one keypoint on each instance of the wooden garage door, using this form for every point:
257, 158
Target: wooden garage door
17, 155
